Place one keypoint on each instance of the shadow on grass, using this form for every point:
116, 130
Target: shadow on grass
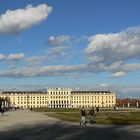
64, 131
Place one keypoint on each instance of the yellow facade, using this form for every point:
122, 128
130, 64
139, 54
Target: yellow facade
60, 98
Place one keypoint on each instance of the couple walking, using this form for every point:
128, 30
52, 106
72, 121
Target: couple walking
83, 116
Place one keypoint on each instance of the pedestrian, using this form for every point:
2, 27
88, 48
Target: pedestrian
91, 113
97, 109
31, 108
2, 111
83, 116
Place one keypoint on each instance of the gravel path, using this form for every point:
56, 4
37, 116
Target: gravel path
27, 125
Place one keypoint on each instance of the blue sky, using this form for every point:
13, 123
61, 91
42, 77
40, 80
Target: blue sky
82, 44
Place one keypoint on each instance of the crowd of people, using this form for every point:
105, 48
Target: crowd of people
91, 114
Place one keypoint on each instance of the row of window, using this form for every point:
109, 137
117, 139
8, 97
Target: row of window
59, 102
41, 102
59, 92
59, 97
91, 106
52, 106
91, 102
33, 106
92, 97
31, 97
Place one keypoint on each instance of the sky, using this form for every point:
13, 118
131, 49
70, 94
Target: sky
81, 44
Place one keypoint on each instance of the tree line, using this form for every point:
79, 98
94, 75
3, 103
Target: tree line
128, 101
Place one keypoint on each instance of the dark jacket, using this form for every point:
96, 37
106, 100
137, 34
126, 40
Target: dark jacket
91, 112
83, 113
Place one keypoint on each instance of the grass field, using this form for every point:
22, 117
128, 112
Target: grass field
108, 116
102, 117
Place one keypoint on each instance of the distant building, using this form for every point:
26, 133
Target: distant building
60, 98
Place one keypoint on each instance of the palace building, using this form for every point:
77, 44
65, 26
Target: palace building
60, 98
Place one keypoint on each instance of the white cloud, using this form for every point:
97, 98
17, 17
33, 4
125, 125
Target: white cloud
113, 52
2, 57
35, 71
110, 48
35, 60
58, 40
56, 52
14, 21
103, 85
16, 57
118, 74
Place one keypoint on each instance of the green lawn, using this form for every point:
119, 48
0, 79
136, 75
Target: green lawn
101, 117
104, 116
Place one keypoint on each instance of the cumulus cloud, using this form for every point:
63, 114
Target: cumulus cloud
121, 90
2, 57
109, 53
58, 52
112, 52
118, 74
65, 46
33, 71
58, 40
35, 60
110, 48
16, 57
14, 21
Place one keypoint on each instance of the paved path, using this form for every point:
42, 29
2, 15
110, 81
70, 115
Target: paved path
26, 125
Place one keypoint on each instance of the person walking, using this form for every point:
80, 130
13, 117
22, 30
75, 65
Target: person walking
91, 113
31, 108
2, 111
83, 117
97, 109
